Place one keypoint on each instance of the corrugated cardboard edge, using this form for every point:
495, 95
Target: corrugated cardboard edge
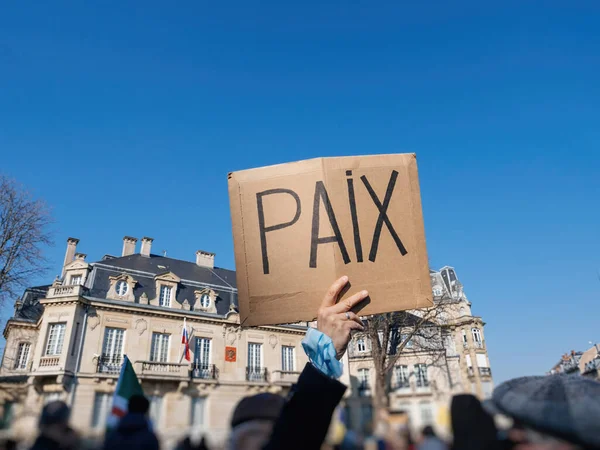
419, 224
237, 226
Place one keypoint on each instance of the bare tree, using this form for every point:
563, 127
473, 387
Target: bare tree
24, 232
397, 334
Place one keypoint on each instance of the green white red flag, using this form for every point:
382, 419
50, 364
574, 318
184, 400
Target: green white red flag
127, 386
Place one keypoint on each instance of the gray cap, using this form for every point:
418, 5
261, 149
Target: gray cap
55, 412
564, 406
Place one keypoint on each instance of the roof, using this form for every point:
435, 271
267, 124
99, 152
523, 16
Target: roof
145, 268
186, 270
31, 309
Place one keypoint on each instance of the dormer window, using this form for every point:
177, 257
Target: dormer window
121, 288
165, 296
437, 291
75, 280
205, 301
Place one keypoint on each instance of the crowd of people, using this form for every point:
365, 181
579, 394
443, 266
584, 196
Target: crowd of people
555, 412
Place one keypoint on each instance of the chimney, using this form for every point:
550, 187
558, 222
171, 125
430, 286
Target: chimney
205, 259
80, 256
129, 245
70, 253
146, 246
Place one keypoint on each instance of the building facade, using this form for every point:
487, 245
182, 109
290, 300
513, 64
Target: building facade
67, 341
423, 380
585, 363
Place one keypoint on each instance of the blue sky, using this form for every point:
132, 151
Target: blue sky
109, 111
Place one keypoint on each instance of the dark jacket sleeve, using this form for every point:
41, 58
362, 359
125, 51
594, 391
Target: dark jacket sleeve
306, 416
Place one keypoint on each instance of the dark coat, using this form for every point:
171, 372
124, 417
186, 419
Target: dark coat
305, 419
132, 433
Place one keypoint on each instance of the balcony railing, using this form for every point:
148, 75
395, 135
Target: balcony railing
65, 291
422, 383
485, 371
465, 344
283, 376
110, 364
470, 371
204, 371
257, 374
398, 385
479, 344
49, 361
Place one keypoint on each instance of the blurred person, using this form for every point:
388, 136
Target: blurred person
55, 432
430, 441
133, 431
253, 420
188, 443
555, 412
472, 427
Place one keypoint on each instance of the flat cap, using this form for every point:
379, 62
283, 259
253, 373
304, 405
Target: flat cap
564, 406
265, 406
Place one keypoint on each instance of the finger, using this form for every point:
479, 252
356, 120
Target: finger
351, 316
352, 325
334, 290
349, 303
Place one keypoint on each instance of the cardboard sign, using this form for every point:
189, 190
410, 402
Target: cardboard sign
298, 227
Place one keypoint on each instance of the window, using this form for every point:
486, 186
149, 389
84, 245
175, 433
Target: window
487, 388
7, 415
403, 338
254, 362
477, 337
287, 358
165, 296
22, 355
50, 397
361, 345
112, 351
255, 355
481, 360
198, 411
437, 291
202, 353
56, 336
121, 288
159, 351
363, 380
75, 280
401, 377
421, 375
205, 301
426, 413
113, 342
155, 409
464, 339
102, 404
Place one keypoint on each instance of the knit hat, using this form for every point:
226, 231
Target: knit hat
564, 406
265, 406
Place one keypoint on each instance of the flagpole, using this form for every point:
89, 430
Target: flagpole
182, 334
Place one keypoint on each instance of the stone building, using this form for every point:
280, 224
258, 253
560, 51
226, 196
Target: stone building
424, 380
67, 341
585, 363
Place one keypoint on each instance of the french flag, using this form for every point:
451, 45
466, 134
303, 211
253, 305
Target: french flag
185, 340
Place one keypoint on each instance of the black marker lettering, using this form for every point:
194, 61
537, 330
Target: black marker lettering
383, 216
261, 221
315, 240
353, 213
